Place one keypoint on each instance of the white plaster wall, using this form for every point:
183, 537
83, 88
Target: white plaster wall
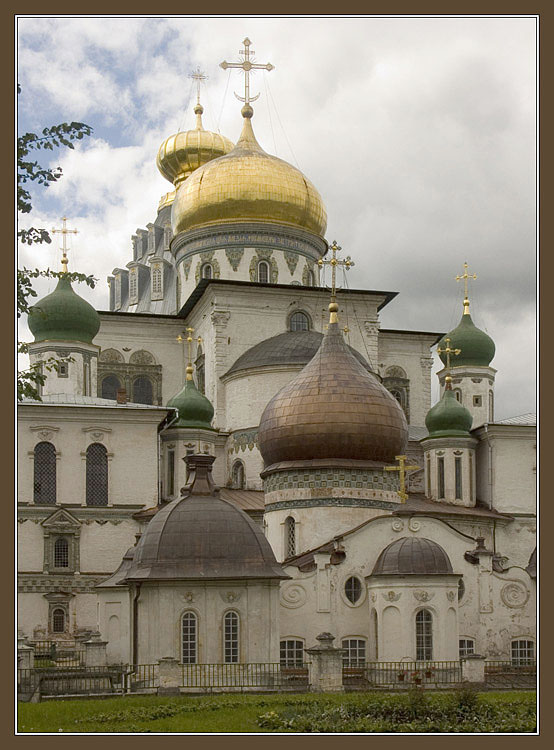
73, 383
103, 545
32, 612
253, 465
30, 547
447, 449
114, 624
473, 381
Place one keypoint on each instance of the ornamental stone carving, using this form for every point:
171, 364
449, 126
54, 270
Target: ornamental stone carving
234, 256
186, 267
371, 327
221, 318
423, 596
230, 596
262, 254
414, 525
188, 597
142, 357
373, 596
397, 525
514, 595
293, 596
111, 355
426, 363
292, 261
450, 595
391, 596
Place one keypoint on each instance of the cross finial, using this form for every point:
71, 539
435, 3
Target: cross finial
402, 469
347, 263
247, 65
465, 276
64, 231
189, 339
198, 76
448, 351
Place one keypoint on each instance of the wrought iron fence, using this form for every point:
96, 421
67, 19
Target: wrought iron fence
401, 674
143, 677
520, 673
71, 680
254, 675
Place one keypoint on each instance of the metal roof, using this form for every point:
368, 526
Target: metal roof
526, 419
413, 556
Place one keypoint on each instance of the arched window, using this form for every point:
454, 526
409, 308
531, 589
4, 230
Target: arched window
207, 271
44, 481
157, 282
110, 385
263, 272
200, 370
290, 537
299, 321
97, 474
424, 635
189, 630
58, 621
291, 653
61, 553
142, 390
231, 638
353, 589
238, 475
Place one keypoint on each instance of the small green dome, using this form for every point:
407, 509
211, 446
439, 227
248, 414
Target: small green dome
477, 348
63, 316
195, 410
448, 418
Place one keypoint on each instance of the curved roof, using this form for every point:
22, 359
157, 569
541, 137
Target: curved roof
289, 348
448, 417
201, 536
63, 316
476, 347
412, 556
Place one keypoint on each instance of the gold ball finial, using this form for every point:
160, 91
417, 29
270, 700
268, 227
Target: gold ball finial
199, 109
333, 307
189, 371
247, 111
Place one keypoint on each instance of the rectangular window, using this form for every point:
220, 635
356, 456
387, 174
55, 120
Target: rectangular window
523, 653
471, 491
292, 653
133, 285
467, 646
157, 279
477, 401
428, 467
354, 656
458, 474
170, 473
118, 291
440, 469
63, 369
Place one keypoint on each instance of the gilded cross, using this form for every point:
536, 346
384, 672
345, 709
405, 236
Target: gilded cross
334, 262
198, 76
189, 339
465, 276
448, 351
246, 65
402, 469
64, 231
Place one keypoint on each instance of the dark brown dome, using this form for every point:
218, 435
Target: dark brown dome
203, 537
412, 556
334, 408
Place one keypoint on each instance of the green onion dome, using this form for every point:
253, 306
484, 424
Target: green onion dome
448, 418
477, 348
63, 316
194, 409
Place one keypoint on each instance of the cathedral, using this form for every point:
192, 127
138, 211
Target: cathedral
233, 458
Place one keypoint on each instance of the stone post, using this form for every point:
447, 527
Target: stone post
25, 654
325, 668
95, 651
170, 676
473, 668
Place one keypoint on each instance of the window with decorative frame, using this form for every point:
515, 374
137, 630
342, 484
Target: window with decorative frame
133, 285
189, 638
110, 386
424, 635
458, 476
170, 473
238, 476
291, 653
157, 282
466, 647
290, 537
354, 654
143, 393
44, 474
207, 271
61, 553
58, 620
440, 471
231, 650
523, 652
96, 475
299, 321
263, 272
353, 589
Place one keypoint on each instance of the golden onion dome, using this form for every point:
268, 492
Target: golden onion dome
248, 185
182, 153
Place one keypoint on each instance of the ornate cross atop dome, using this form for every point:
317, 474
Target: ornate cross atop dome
64, 231
465, 276
347, 263
448, 350
247, 65
189, 339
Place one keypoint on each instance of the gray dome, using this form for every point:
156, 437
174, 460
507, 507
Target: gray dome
289, 348
412, 556
203, 537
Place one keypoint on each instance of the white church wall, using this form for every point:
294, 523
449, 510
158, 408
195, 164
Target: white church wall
30, 547
251, 459
104, 544
114, 623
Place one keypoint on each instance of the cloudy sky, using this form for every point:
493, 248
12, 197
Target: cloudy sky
418, 132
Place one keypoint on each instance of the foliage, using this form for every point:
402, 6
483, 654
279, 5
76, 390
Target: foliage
307, 713
30, 171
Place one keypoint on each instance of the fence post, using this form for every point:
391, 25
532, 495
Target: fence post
473, 668
25, 654
95, 651
170, 676
325, 668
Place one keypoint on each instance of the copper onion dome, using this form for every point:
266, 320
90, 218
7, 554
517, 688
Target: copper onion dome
334, 408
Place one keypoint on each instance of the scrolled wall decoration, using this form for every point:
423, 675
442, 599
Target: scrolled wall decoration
397, 525
293, 596
450, 595
514, 595
423, 596
414, 525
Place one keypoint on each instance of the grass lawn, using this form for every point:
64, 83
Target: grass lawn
352, 712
